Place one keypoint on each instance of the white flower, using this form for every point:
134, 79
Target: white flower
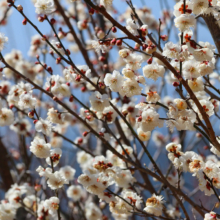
74, 192
106, 3
68, 172
87, 179
211, 216
44, 7
178, 9
204, 184
44, 172
207, 106
152, 97
153, 71
124, 178
180, 104
40, 148
27, 101
184, 22
108, 114
114, 81
131, 26
43, 126
57, 46
92, 212
7, 211
130, 88
134, 61
98, 101
129, 73
191, 69
154, 205
150, 120
132, 198
55, 117
56, 180
123, 53
185, 120
199, 6
55, 156
22, 126
3, 40
196, 85
213, 149
143, 136
6, 117
171, 50
52, 205
203, 54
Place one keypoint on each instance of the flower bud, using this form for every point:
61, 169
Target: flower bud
119, 42
52, 21
175, 84
71, 99
164, 37
91, 11
114, 29
40, 19
20, 8
24, 22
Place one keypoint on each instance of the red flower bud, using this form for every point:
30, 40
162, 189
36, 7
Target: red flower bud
52, 21
24, 22
114, 29
149, 61
119, 42
175, 84
91, 11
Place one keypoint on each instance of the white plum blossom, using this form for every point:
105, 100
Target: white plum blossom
40, 148
98, 101
43, 126
75, 192
114, 81
44, 6
153, 71
184, 22
154, 205
6, 117
3, 41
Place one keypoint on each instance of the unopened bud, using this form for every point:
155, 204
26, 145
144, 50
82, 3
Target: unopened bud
149, 61
119, 42
37, 187
113, 41
58, 60
164, 37
91, 11
114, 29
85, 133
102, 58
71, 99
24, 22
175, 84
35, 121
50, 70
52, 21
31, 114
40, 19
20, 8
79, 141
